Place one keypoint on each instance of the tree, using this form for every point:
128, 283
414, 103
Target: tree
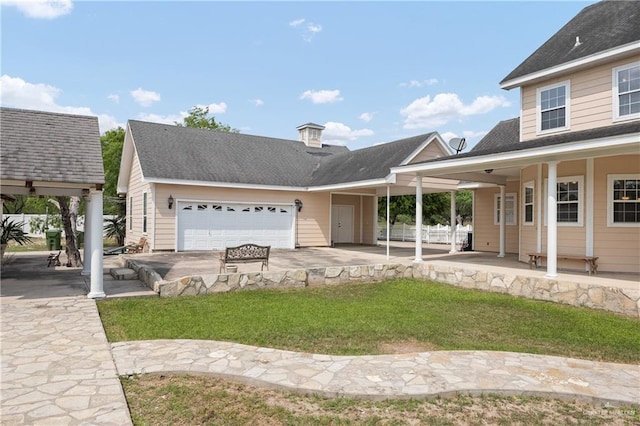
198, 118
112, 142
436, 207
69, 207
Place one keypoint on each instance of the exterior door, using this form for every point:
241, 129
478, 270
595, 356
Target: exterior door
342, 224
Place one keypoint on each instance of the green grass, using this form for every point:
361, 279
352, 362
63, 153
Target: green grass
40, 244
363, 318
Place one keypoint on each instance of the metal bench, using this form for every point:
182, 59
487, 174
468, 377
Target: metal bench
246, 253
591, 261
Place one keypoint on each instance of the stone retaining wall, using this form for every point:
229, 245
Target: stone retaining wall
623, 301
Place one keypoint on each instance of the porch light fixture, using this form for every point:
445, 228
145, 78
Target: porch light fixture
170, 202
298, 204
488, 171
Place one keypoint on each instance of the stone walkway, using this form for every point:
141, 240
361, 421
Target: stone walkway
378, 377
57, 368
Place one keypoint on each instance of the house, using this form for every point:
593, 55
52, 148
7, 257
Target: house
564, 177
200, 189
52, 154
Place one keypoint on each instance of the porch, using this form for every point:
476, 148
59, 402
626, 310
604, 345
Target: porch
172, 274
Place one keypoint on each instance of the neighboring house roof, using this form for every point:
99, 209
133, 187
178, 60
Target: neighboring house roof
602, 26
168, 152
503, 136
51, 147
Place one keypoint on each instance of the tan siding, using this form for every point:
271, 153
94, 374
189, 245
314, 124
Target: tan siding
313, 220
431, 151
368, 223
617, 247
591, 99
136, 188
528, 233
486, 235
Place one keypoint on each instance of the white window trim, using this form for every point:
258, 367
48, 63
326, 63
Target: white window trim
610, 179
561, 179
567, 107
615, 95
530, 184
508, 195
145, 205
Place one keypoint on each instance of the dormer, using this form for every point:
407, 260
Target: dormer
310, 134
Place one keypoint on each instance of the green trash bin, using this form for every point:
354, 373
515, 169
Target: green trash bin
53, 239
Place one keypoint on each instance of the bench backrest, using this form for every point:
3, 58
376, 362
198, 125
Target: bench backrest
247, 251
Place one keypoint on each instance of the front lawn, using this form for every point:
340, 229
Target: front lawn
376, 318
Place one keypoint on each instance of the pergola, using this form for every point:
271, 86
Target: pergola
52, 154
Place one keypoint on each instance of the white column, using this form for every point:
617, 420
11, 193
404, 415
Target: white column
552, 221
503, 220
588, 208
86, 254
453, 222
97, 289
388, 214
538, 217
418, 219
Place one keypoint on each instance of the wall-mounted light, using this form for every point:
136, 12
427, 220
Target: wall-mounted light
170, 202
488, 171
298, 204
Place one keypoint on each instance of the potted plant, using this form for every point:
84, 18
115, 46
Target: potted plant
12, 231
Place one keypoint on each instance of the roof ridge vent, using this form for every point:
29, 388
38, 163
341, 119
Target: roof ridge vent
578, 42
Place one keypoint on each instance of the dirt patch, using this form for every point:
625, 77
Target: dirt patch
406, 347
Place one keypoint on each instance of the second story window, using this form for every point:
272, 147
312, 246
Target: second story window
626, 91
553, 107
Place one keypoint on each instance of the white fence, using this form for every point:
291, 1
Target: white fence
30, 222
436, 234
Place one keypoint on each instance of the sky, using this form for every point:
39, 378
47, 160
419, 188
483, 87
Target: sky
370, 72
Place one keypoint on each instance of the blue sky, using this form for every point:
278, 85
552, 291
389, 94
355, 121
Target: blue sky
371, 72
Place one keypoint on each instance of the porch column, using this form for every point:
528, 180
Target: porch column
503, 220
388, 214
97, 289
538, 216
453, 222
418, 219
552, 221
86, 254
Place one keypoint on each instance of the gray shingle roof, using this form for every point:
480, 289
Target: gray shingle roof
183, 153
601, 26
504, 138
52, 147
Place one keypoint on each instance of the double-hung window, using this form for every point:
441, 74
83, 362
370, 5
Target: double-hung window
568, 200
528, 203
623, 193
553, 107
626, 92
510, 209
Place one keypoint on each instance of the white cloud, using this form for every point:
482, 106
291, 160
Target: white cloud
41, 9
220, 108
418, 83
17, 93
308, 31
339, 133
257, 102
144, 97
297, 22
366, 116
427, 113
115, 98
322, 96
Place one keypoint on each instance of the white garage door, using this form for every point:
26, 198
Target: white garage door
207, 225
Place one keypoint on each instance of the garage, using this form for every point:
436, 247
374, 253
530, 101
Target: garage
212, 225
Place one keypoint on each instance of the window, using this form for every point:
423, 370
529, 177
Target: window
528, 203
553, 107
623, 192
130, 213
626, 92
510, 212
144, 212
568, 200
